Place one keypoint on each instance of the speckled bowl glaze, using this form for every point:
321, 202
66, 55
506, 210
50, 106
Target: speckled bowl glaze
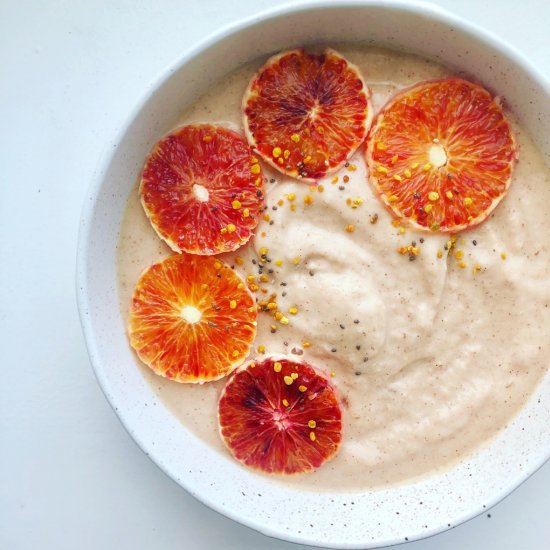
339, 519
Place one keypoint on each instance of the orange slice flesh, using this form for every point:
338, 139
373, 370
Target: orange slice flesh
202, 189
440, 154
306, 114
192, 318
280, 416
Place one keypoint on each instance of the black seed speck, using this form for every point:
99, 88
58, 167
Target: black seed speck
356, 321
421, 239
357, 347
474, 242
333, 350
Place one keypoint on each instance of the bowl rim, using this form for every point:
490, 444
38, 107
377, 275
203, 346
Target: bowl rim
417, 7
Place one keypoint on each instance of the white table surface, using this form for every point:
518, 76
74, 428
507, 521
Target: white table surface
70, 476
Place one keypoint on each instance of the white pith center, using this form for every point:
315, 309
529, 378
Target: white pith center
281, 420
437, 155
191, 314
201, 193
314, 110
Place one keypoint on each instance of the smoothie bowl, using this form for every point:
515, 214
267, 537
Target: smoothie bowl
385, 303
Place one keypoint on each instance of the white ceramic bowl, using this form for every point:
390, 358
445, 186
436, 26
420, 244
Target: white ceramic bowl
341, 520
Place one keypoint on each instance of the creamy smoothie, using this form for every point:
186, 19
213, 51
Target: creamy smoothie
431, 354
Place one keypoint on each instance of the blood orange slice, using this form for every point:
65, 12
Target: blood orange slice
441, 154
306, 114
280, 416
202, 189
192, 318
